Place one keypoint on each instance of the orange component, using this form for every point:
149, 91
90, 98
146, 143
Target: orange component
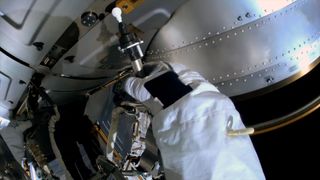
128, 5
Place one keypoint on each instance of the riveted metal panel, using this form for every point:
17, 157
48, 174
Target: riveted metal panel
289, 36
14, 80
198, 20
23, 23
4, 85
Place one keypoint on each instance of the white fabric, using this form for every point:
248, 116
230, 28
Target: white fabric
191, 134
13, 136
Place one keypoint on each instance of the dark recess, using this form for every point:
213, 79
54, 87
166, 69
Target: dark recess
291, 151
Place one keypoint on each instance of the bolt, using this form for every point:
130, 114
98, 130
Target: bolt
239, 18
269, 79
70, 59
248, 15
38, 45
22, 82
101, 16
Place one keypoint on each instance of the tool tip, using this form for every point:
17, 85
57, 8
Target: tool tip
116, 12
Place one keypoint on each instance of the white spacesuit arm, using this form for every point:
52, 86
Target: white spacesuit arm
192, 135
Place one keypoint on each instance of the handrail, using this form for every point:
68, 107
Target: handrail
287, 119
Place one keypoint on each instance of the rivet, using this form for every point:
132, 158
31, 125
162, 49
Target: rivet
269, 79
38, 45
230, 84
235, 33
245, 80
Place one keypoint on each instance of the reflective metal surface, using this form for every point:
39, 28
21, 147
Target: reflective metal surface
14, 79
27, 22
245, 58
239, 46
96, 58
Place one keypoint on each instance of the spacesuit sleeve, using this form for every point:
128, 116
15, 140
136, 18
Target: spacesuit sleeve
191, 136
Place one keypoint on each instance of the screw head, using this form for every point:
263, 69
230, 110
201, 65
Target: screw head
269, 79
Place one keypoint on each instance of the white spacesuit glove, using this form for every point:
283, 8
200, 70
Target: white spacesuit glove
192, 132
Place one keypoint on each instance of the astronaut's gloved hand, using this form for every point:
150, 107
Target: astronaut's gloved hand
135, 86
191, 132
